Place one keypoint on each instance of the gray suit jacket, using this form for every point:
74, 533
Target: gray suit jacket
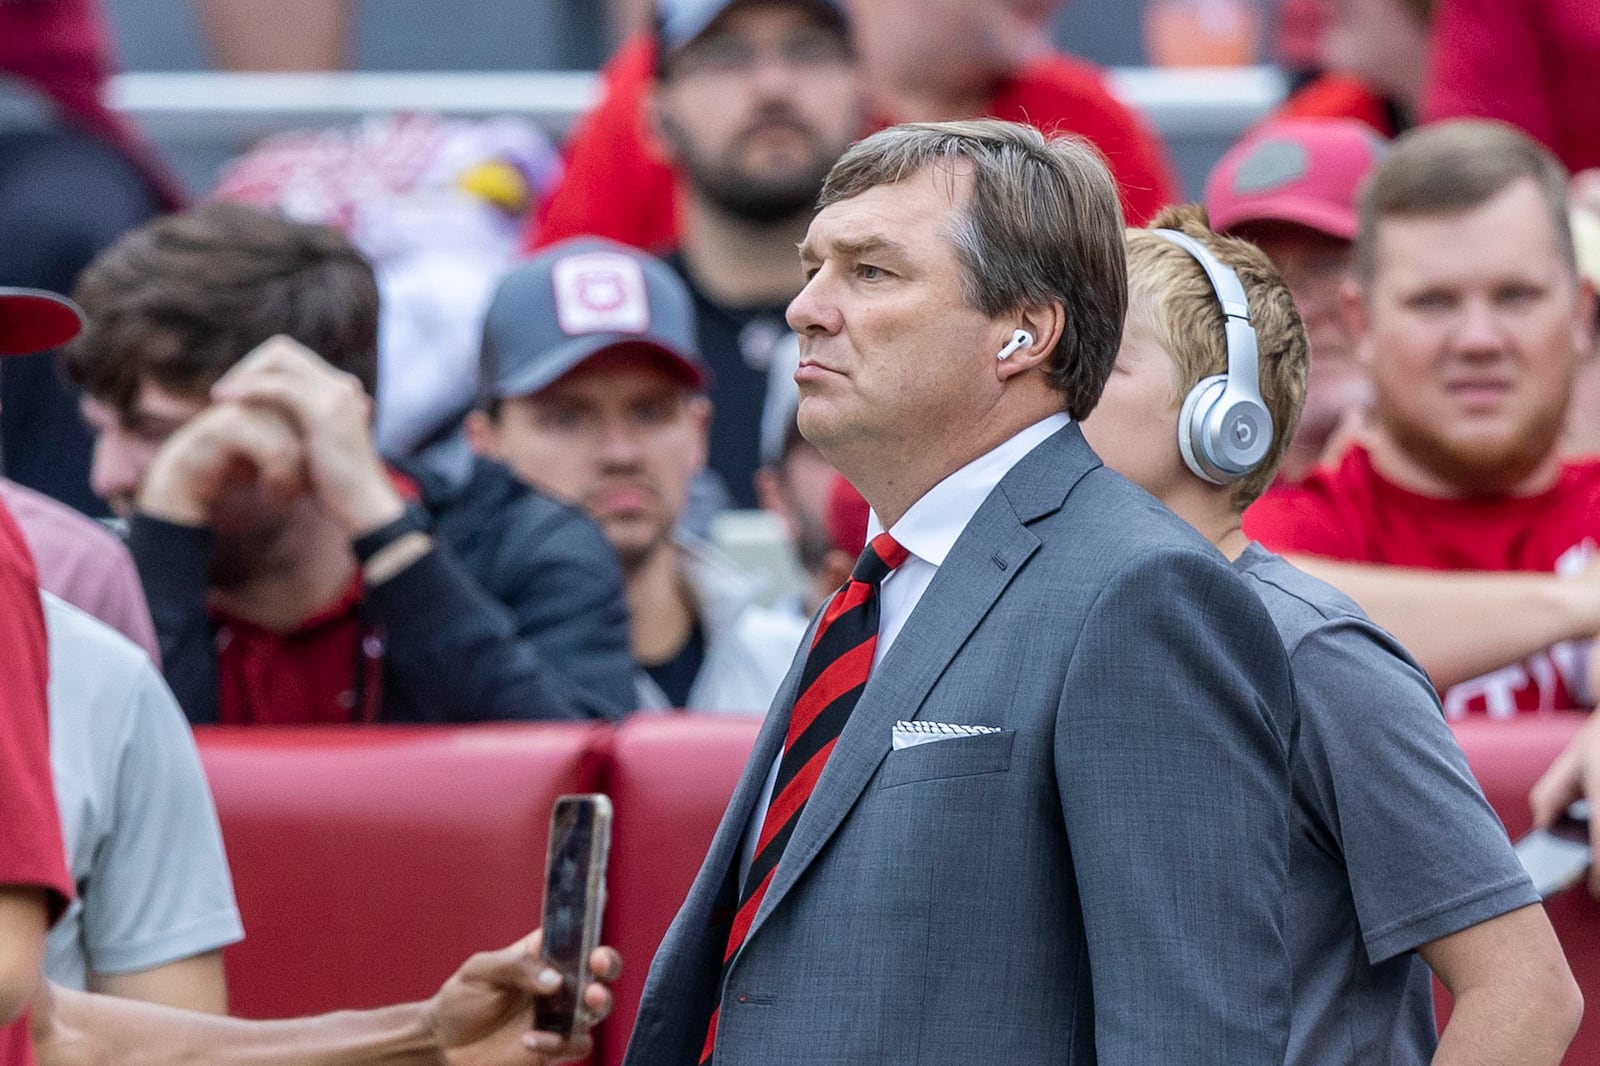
1100, 882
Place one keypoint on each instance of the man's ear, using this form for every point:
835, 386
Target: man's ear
1044, 325
1353, 309
699, 410
1583, 329
482, 434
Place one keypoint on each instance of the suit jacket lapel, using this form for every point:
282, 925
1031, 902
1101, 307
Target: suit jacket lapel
985, 559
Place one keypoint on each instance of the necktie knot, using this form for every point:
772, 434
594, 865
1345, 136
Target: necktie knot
882, 555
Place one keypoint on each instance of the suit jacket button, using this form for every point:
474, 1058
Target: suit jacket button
743, 998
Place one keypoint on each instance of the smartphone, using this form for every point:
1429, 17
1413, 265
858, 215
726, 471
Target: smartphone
1558, 858
574, 900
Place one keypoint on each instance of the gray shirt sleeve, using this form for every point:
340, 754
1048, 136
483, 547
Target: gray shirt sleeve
145, 846
1382, 780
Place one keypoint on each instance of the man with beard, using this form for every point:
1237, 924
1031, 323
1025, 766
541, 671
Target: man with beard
1472, 319
920, 60
591, 390
753, 101
228, 366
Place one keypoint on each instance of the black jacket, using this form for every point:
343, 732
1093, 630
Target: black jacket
516, 613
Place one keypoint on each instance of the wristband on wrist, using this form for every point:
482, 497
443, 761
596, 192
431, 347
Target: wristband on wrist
374, 541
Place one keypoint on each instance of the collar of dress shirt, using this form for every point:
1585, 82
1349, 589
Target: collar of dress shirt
930, 528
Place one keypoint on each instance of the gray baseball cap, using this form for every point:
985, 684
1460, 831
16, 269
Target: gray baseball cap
576, 300
680, 21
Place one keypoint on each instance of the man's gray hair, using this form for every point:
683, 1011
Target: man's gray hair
1043, 225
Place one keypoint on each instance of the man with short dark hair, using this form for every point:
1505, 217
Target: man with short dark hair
1023, 796
229, 364
753, 101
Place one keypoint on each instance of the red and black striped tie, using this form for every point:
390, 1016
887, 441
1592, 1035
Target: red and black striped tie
835, 673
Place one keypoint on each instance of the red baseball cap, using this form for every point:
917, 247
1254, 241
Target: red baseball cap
32, 320
1306, 171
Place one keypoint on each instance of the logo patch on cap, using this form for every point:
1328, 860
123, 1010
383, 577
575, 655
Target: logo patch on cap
600, 292
1271, 166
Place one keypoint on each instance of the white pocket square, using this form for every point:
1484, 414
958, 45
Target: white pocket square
910, 734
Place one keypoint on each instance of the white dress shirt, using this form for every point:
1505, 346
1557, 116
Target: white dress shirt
928, 530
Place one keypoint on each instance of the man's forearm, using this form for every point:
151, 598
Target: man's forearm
1515, 999
81, 1029
1485, 1031
1463, 625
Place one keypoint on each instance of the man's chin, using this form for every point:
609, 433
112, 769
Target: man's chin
1487, 466
635, 542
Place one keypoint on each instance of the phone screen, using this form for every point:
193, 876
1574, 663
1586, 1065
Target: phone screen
1557, 858
580, 831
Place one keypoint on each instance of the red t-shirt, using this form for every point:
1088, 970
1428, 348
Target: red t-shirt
1352, 513
1339, 96
616, 187
30, 826
328, 670
1533, 63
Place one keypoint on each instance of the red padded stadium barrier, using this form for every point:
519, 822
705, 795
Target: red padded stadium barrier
669, 780
1508, 756
369, 862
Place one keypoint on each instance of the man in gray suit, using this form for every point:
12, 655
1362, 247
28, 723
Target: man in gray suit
1052, 826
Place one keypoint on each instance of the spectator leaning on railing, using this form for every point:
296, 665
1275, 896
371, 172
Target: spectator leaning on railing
229, 363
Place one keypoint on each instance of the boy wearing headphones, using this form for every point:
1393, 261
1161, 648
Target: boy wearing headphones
1397, 864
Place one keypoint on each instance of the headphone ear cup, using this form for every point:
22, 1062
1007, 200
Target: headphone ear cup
1198, 452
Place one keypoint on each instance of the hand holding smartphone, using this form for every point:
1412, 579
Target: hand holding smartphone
1558, 858
574, 901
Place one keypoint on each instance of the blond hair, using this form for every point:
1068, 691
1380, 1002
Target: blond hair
1453, 167
1174, 300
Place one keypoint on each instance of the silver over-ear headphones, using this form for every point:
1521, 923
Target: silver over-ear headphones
1020, 338
1224, 428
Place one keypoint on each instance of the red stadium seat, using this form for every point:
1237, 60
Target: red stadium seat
369, 862
669, 780
1507, 757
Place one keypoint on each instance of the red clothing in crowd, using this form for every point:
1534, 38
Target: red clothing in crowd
616, 187
30, 827
328, 670
1351, 512
62, 49
1300, 28
1340, 96
1533, 63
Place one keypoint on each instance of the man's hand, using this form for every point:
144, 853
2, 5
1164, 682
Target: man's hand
484, 1013
225, 446
332, 416
1574, 773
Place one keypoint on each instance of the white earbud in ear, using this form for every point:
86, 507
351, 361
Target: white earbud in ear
1020, 338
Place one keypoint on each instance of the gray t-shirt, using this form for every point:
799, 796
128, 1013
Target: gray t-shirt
1394, 845
140, 828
